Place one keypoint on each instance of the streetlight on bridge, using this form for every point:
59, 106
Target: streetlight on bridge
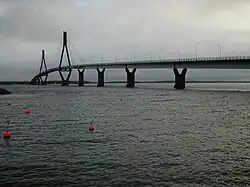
197, 50
219, 48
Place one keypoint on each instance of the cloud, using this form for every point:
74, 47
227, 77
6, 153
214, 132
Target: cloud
36, 21
108, 28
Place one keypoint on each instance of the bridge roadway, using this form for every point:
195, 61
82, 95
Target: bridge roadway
240, 62
205, 63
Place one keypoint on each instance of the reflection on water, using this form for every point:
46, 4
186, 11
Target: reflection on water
143, 137
6, 143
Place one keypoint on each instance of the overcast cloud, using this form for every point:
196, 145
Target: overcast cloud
108, 28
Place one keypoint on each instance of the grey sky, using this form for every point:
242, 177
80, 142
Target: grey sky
105, 28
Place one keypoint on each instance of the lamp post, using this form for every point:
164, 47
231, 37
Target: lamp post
197, 50
219, 48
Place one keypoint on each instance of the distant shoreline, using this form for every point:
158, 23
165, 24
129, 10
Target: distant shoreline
114, 82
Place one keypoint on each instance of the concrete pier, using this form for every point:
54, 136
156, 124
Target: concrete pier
130, 78
180, 78
100, 77
44, 82
81, 77
63, 81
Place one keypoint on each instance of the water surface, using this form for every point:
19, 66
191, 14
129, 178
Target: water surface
148, 136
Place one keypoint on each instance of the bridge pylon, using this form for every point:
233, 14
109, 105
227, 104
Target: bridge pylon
81, 77
65, 82
42, 81
180, 78
100, 80
130, 77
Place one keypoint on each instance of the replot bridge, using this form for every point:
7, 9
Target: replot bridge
239, 62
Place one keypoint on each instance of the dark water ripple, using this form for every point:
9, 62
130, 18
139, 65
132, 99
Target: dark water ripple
143, 137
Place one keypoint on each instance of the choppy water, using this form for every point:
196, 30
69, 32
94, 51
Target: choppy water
144, 137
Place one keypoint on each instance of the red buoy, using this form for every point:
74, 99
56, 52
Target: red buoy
27, 111
91, 128
6, 135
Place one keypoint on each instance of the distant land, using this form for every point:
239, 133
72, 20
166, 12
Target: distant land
117, 82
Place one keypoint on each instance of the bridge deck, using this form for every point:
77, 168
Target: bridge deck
160, 64
193, 63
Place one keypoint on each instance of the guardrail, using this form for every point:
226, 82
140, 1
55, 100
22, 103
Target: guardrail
194, 59
201, 59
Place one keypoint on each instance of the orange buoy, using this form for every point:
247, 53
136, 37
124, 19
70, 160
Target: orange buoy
6, 135
27, 111
91, 128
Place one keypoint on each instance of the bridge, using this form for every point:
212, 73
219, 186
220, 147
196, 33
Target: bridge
238, 62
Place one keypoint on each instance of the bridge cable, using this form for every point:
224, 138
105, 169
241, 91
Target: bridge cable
72, 58
77, 53
54, 57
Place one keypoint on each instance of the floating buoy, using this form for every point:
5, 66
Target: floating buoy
6, 135
91, 128
27, 111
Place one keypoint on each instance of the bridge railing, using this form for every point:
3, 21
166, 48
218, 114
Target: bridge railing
229, 58
199, 59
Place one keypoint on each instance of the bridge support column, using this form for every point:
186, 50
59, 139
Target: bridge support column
130, 78
43, 64
81, 77
180, 78
38, 81
100, 77
65, 82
